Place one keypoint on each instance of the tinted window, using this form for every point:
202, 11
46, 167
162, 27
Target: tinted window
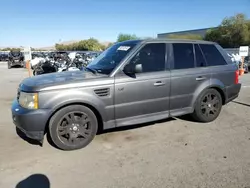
151, 57
224, 54
15, 53
212, 55
183, 56
200, 61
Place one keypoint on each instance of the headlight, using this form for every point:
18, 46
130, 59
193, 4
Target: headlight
28, 100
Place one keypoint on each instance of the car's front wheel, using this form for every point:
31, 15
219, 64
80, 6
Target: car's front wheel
208, 106
73, 127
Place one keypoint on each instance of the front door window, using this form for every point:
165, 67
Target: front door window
151, 57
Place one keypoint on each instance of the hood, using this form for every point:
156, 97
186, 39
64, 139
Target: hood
63, 79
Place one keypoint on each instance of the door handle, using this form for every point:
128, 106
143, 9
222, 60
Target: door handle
159, 83
199, 78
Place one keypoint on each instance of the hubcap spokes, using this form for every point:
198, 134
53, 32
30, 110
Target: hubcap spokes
74, 128
210, 105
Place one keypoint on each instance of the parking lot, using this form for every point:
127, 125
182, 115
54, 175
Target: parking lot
172, 153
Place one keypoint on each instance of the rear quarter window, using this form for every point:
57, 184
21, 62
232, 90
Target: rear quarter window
224, 54
212, 55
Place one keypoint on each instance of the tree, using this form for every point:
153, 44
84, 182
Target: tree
248, 25
187, 36
11, 49
232, 32
103, 47
85, 45
123, 37
60, 47
110, 44
90, 45
214, 35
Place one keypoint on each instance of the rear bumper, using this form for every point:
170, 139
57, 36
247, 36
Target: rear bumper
232, 92
31, 122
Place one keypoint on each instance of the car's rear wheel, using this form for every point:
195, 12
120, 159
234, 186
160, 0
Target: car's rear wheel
208, 106
73, 127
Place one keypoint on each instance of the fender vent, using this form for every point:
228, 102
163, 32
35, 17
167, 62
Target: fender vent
102, 92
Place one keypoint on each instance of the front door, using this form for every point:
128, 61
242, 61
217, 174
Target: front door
144, 96
188, 74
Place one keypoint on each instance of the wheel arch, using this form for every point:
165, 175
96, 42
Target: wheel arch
213, 84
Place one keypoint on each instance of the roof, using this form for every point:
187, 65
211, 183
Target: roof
165, 40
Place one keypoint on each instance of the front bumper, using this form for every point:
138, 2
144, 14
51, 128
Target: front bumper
31, 122
17, 63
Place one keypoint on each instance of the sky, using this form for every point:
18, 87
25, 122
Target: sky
44, 23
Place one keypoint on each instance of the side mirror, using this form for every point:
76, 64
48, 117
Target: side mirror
132, 69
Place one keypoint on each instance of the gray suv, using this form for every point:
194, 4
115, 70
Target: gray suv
132, 82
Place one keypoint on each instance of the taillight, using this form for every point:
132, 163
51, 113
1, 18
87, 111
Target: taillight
236, 79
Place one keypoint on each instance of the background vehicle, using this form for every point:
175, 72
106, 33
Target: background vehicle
16, 58
4, 56
79, 61
130, 83
38, 55
55, 63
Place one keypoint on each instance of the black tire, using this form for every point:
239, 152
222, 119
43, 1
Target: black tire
65, 127
205, 111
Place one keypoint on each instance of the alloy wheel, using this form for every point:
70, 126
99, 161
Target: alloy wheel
74, 128
210, 105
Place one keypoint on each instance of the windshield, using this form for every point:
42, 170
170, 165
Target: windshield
15, 53
110, 58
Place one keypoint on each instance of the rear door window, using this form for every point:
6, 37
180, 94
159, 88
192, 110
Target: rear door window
183, 55
212, 55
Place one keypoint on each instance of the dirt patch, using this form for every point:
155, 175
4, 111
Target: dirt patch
6, 100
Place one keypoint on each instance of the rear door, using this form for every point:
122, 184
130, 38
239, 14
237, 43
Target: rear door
188, 73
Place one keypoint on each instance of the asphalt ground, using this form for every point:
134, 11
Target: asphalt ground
172, 153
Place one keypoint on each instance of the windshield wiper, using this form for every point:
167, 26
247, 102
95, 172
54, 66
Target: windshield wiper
91, 70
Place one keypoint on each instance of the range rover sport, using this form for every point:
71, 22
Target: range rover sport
131, 82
